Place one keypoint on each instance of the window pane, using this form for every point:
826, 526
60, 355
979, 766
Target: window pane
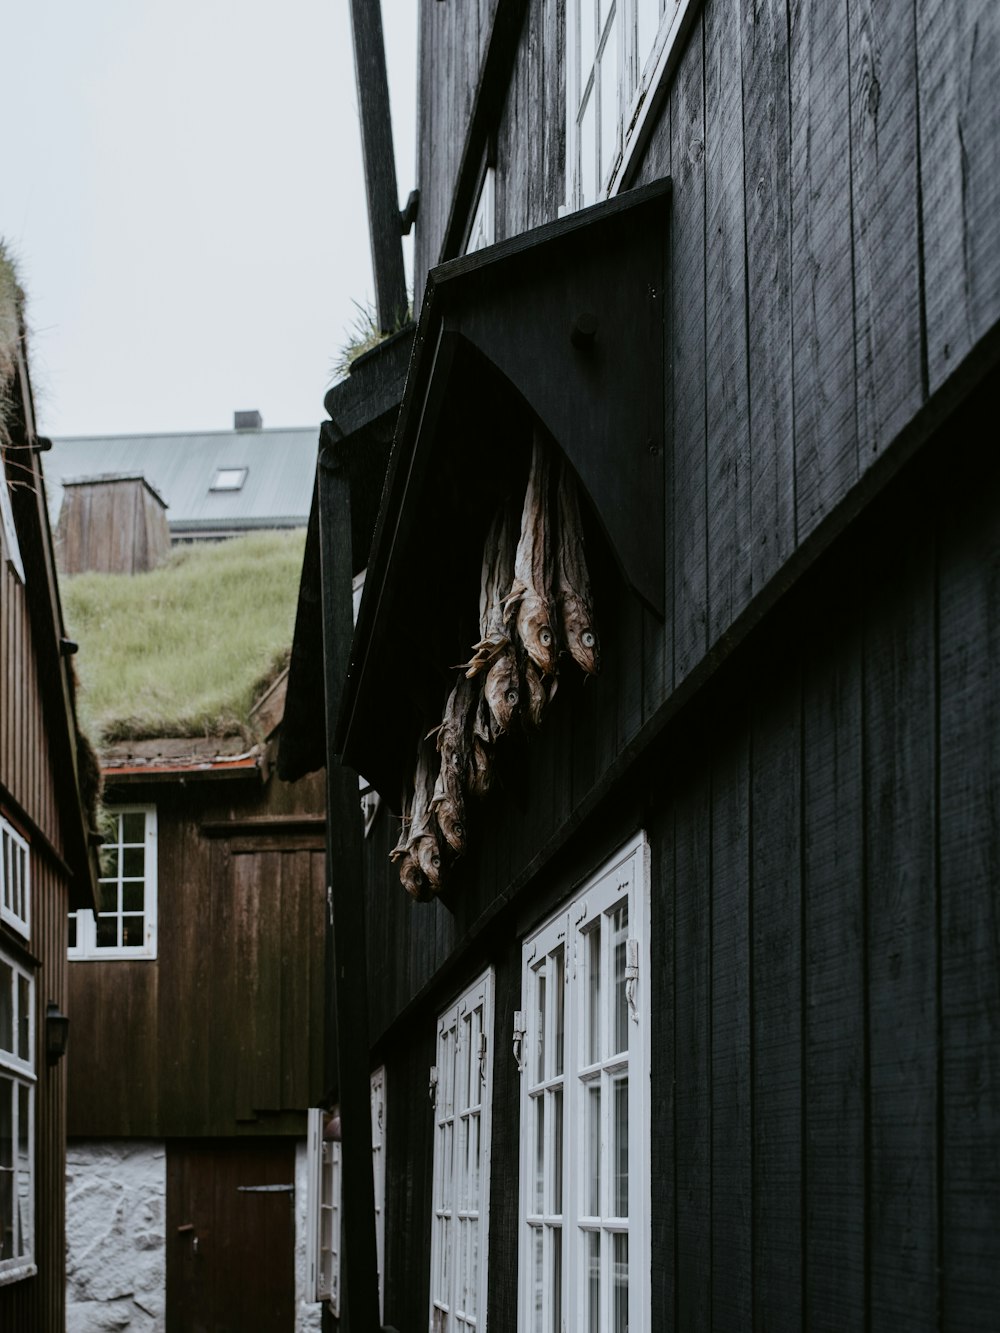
619, 1276
609, 101
23, 1017
619, 936
540, 1153
593, 1195
559, 1007
71, 930
556, 1234
133, 862
109, 897
593, 1281
588, 152
6, 1124
133, 897
540, 1070
133, 931
134, 826
588, 39
648, 21
109, 862
6, 1007
620, 1149
107, 932
539, 1279
556, 1203
24, 1169
474, 1161
594, 990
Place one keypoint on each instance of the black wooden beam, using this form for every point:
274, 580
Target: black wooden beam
384, 228
347, 918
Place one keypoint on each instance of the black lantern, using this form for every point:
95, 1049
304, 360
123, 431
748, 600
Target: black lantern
56, 1032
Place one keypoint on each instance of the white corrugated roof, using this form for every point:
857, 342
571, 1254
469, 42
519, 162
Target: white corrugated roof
281, 466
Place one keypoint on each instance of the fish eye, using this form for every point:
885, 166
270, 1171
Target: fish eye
455, 761
588, 639
511, 696
435, 861
458, 826
545, 636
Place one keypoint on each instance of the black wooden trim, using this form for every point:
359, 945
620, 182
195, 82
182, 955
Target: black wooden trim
269, 824
380, 163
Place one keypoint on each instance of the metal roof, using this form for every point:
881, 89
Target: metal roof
281, 466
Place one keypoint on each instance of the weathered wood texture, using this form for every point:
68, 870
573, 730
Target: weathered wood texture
231, 1011
452, 45
824, 855
112, 526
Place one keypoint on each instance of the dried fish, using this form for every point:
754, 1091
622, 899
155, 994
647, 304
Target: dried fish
421, 847
530, 596
503, 689
572, 588
479, 764
496, 579
412, 879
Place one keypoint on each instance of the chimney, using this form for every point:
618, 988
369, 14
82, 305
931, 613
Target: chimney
247, 420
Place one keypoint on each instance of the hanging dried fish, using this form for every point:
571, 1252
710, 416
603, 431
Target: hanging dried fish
482, 734
502, 690
572, 583
497, 576
421, 847
530, 600
447, 801
411, 876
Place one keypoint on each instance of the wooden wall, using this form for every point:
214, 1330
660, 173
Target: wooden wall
222, 1033
825, 852
112, 526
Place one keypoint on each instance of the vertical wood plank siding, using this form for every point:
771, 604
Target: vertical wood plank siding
234, 1048
821, 813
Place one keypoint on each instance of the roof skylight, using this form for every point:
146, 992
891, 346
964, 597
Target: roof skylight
229, 479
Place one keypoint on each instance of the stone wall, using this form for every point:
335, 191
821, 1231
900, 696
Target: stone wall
116, 1209
115, 1236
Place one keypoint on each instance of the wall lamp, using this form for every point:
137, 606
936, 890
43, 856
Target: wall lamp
56, 1033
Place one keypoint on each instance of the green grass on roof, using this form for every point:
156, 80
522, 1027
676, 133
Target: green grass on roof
186, 649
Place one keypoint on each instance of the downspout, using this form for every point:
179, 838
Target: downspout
359, 1294
385, 224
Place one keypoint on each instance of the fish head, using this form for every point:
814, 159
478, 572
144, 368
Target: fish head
480, 773
451, 821
412, 879
581, 635
503, 690
428, 855
536, 628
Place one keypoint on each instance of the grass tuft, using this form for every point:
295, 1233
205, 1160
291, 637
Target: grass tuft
363, 335
186, 649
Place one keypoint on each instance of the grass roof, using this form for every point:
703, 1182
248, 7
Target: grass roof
186, 649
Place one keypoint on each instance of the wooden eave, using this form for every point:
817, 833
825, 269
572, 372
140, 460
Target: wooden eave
49, 633
563, 326
363, 409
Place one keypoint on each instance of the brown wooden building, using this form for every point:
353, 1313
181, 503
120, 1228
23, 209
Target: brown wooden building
46, 863
197, 994
708, 1006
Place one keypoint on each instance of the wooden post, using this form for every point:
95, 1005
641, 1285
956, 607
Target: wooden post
384, 227
344, 868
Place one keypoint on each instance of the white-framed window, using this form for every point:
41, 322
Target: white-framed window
323, 1207
7, 523
125, 926
17, 1120
323, 1232
462, 1080
482, 232
378, 1177
583, 1038
15, 879
618, 52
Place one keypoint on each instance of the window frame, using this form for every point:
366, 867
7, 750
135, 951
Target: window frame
86, 948
22, 1073
377, 1087
324, 1176
15, 853
551, 1202
8, 525
239, 471
640, 78
448, 1183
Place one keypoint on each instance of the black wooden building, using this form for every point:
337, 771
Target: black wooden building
709, 1009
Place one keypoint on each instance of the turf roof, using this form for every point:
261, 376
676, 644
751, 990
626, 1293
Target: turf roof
186, 649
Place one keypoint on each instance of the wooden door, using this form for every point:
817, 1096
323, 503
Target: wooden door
231, 1236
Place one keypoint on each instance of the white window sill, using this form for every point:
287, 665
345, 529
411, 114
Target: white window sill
23, 1270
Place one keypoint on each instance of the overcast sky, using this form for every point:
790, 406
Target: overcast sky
182, 189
